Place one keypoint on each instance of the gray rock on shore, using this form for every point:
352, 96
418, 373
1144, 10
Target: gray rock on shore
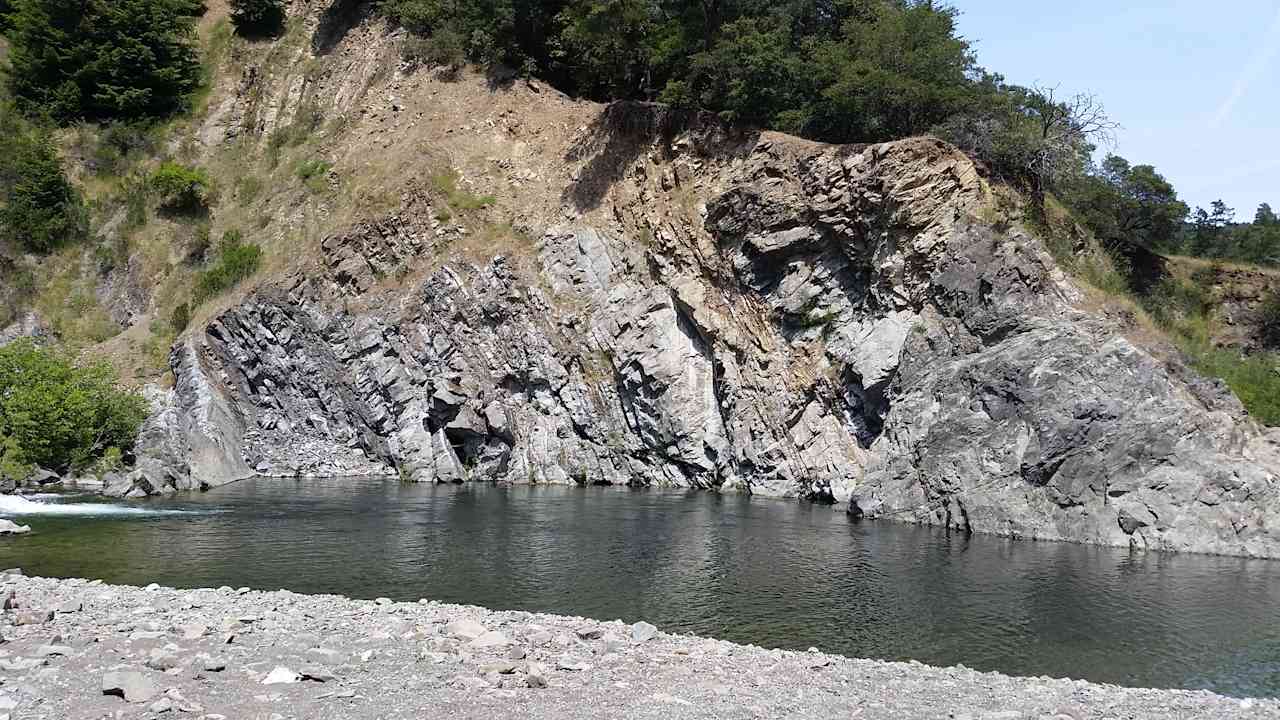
133, 686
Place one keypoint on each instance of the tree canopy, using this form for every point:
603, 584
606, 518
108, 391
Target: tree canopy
102, 59
60, 415
1125, 203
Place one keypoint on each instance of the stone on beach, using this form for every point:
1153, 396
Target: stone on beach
465, 628
643, 632
134, 687
491, 639
281, 676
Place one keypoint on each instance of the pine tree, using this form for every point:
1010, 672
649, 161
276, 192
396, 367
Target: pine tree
257, 18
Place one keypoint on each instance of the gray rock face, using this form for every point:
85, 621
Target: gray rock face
193, 438
830, 323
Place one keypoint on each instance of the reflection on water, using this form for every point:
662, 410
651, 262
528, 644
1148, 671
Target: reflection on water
771, 573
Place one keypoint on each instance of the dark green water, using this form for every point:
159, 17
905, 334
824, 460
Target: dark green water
771, 573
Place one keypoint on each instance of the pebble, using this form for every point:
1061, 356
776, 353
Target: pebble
568, 662
327, 656
32, 617
133, 686
466, 629
213, 663
535, 675
281, 676
317, 674
643, 632
491, 639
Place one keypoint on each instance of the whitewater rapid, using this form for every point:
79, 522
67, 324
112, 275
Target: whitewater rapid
15, 505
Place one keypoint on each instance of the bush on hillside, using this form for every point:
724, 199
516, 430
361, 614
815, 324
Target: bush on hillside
121, 144
103, 59
236, 261
181, 189
1271, 320
258, 18
60, 415
40, 210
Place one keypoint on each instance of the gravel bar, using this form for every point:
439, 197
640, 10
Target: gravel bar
84, 649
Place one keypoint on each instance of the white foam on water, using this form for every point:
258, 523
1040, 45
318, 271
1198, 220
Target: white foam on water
18, 505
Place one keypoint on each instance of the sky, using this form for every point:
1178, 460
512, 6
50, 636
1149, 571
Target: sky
1194, 85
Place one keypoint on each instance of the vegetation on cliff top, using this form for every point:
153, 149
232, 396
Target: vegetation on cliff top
840, 71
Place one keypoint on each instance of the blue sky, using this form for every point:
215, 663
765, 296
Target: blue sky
1195, 85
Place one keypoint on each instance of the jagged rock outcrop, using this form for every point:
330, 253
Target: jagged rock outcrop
193, 439
759, 314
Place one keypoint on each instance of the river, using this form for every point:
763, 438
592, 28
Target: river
765, 572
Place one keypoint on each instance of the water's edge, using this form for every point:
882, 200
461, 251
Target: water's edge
558, 656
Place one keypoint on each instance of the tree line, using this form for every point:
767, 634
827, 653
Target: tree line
838, 71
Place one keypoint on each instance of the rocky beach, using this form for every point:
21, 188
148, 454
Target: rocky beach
83, 649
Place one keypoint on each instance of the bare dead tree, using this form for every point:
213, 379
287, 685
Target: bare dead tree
1069, 130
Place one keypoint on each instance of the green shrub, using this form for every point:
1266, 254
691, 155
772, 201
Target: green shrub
136, 194
258, 18
1270, 324
248, 188
236, 261
182, 189
60, 415
40, 210
111, 461
446, 48
181, 318
446, 183
1176, 299
314, 174
121, 144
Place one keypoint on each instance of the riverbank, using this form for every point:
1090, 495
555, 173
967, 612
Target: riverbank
83, 649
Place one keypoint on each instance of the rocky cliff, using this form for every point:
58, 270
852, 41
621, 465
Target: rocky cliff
659, 300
